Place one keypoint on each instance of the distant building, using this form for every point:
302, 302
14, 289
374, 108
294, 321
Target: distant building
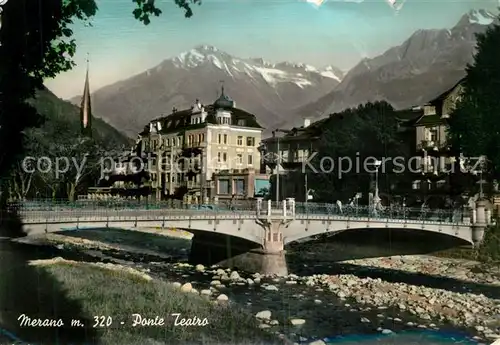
122, 177
86, 109
292, 147
436, 155
205, 152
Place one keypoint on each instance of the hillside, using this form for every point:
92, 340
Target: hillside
55, 109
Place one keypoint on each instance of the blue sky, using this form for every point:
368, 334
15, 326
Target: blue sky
338, 33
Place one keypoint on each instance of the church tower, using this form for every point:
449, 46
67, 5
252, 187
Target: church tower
85, 108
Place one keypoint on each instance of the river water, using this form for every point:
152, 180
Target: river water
327, 317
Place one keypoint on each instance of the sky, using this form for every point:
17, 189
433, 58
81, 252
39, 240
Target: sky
338, 33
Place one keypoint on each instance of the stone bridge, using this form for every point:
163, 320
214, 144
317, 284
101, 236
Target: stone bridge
220, 235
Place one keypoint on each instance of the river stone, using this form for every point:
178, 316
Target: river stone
222, 297
200, 268
386, 331
250, 281
317, 342
206, 292
271, 288
177, 284
215, 282
297, 322
186, 287
234, 276
263, 315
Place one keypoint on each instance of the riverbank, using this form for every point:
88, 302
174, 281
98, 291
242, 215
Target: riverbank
375, 295
103, 302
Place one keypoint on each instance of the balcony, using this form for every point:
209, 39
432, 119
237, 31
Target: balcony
193, 184
432, 145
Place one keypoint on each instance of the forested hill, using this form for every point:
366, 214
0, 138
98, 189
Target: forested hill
56, 110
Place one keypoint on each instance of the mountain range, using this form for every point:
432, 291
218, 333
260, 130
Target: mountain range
268, 90
281, 94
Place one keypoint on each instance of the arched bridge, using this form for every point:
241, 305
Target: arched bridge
267, 224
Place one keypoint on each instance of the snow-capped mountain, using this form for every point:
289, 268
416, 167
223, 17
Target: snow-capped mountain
270, 91
422, 67
285, 72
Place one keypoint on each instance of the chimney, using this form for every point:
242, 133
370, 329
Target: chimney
307, 122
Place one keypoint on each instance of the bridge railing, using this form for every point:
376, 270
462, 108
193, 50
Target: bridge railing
231, 209
62, 205
315, 210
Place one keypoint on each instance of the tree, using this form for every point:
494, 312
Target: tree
474, 124
351, 141
36, 43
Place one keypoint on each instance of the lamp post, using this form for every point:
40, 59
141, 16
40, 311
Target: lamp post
376, 198
482, 161
278, 161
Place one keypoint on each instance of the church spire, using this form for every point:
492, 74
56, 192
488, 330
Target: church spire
85, 109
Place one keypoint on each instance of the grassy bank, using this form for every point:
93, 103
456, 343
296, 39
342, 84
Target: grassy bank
74, 290
488, 252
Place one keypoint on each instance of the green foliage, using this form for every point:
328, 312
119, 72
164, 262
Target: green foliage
474, 125
359, 135
489, 250
146, 8
36, 43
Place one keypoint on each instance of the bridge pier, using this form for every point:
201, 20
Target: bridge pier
266, 258
481, 219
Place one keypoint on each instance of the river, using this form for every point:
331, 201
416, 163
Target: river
328, 318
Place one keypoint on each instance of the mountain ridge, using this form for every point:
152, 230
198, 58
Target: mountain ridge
417, 70
269, 90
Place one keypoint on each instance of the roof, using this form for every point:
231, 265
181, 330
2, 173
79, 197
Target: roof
445, 94
224, 101
427, 120
430, 120
181, 120
311, 132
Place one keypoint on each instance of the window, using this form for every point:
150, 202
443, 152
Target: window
434, 134
225, 138
218, 157
224, 187
202, 138
240, 141
167, 142
416, 185
250, 159
241, 122
250, 141
179, 141
239, 158
219, 136
224, 157
239, 186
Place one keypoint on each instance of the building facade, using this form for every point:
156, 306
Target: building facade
285, 154
204, 152
436, 158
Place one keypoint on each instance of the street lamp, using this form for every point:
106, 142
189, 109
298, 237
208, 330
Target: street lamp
376, 197
482, 161
278, 162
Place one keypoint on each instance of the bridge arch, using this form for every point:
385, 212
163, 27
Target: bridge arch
304, 228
